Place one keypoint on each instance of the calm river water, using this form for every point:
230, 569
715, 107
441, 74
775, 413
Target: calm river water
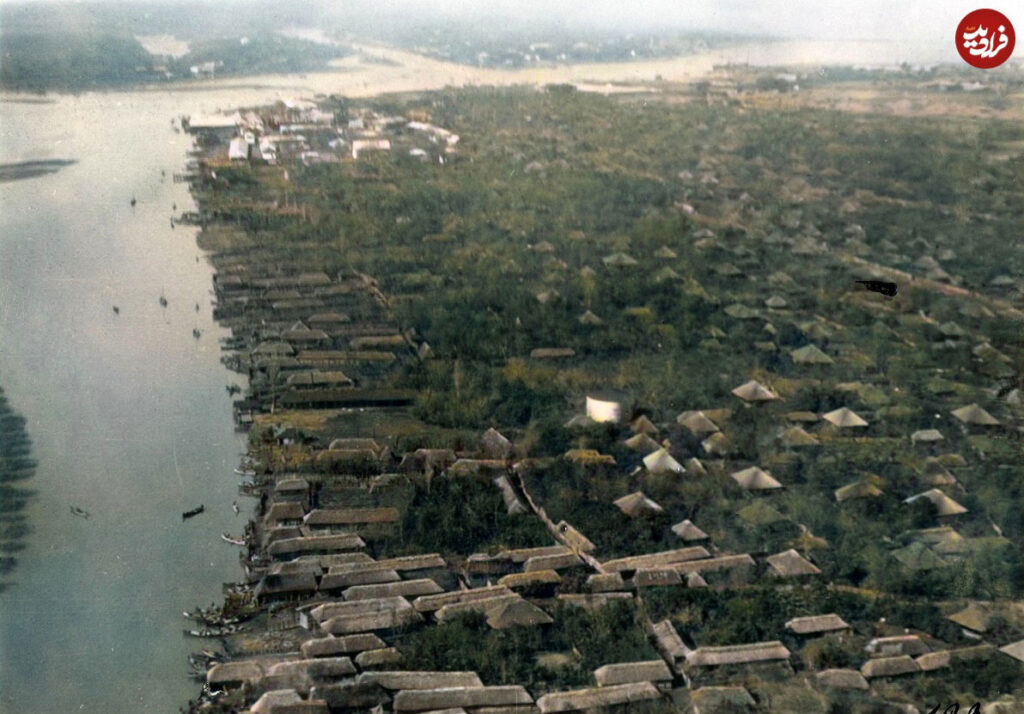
129, 413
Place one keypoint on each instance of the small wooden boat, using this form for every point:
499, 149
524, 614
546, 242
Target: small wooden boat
163, 301
194, 512
80, 512
227, 538
240, 472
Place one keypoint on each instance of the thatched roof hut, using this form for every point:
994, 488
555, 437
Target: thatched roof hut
333, 646
638, 505
810, 354
816, 624
926, 436
688, 531
889, 667
516, 613
841, 679
737, 654
662, 462
418, 700
697, 423
755, 479
597, 697
754, 391
382, 657
395, 680
654, 560
404, 588
642, 443
844, 418
789, 563
944, 505
974, 415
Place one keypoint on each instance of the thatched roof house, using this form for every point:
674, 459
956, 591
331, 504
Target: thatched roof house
841, 679
642, 443
659, 577
333, 646
789, 563
688, 531
418, 700
668, 641
754, 391
432, 603
643, 425
976, 617
844, 418
889, 667
795, 437
396, 680
403, 588
619, 260
654, 560
755, 479
597, 697
721, 700
662, 462
697, 423
816, 624
233, 674
382, 657
315, 544
974, 415
864, 488
926, 436
944, 505
810, 354
737, 654
638, 505
896, 645
494, 445
516, 613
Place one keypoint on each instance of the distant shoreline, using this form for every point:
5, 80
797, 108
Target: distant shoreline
21, 170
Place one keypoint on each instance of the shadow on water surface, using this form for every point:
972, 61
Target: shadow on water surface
16, 465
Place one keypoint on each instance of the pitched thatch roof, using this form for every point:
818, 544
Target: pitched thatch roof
637, 504
975, 617
383, 657
754, 391
755, 479
655, 560
896, 645
801, 417
973, 414
944, 505
841, 679
418, 700
395, 680
698, 423
889, 667
718, 700
935, 474
722, 562
227, 673
661, 462
494, 445
858, 489
810, 354
789, 563
605, 582
718, 444
776, 302
516, 613
795, 437
430, 603
332, 646
688, 531
267, 703
844, 418
926, 436
351, 516
314, 544
737, 654
552, 352
816, 623
642, 443
918, 556
665, 252
659, 577
597, 697
589, 318
1014, 649
537, 577
404, 588
668, 641
558, 561
574, 538
628, 672
643, 425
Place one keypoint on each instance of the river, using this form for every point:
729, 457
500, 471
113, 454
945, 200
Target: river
128, 412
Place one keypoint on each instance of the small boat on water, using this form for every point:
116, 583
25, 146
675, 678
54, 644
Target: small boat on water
227, 538
194, 512
196, 333
240, 472
163, 301
212, 631
80, 512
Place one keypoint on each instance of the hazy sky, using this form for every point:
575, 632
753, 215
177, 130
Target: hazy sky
912, 21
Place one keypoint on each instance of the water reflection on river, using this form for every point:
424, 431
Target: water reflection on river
128, 412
